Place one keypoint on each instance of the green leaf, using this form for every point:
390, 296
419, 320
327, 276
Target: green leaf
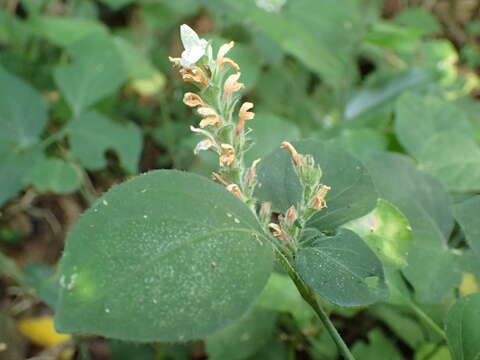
243, 338
92, 134
418, 120
121, 350
361, 142
310, 31
454, 158
462, 326
420, 19
65, 31
53, 174
14, 168
379, 347
387, 231
352, 195
342, 269
23, 114
95, 73
466, 214
173, 255
425, 203
383, 90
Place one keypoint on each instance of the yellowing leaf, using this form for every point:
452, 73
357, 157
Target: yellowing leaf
469, 285
41, 331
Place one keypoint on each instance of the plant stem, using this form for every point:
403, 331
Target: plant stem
309, 296
427, 320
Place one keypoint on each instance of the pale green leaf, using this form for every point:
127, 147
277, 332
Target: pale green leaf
379, 347
387, 231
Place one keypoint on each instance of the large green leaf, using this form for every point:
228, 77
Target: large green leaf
53, 174
425, 203
387, 231
243, 338
467, 214
318, 33
96, 72
342, 269
166, 256
352, 194
64, 31
463, 328
23, 114
454, 158
92, 134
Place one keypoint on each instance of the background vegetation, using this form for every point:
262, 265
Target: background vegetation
88, 99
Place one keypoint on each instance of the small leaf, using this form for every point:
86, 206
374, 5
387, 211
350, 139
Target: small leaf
172, 254
95, 73
387, 231
379, 347
342, 269
243, 338
92, 134
462, 326
53, 174
352, 195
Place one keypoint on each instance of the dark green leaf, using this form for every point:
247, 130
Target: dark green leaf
342, 269
463, 328
41, 277
173, 255
352, 194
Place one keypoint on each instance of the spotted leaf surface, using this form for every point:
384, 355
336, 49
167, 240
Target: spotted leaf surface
167, 256
342, 269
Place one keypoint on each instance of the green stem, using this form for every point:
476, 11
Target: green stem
427, 320
309, 296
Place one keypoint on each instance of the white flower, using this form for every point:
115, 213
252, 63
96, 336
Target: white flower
194, 46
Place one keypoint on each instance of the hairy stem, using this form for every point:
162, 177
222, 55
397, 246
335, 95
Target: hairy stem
309, 296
